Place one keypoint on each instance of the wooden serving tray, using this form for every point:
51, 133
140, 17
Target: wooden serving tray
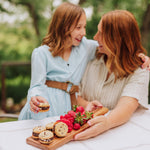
57, 142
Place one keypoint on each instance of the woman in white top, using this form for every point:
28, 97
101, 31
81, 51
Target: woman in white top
114, 79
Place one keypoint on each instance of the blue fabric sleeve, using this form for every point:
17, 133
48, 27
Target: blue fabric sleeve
38, 73
38, 78
91, 47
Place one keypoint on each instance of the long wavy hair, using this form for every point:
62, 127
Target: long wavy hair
121, 37
58, 37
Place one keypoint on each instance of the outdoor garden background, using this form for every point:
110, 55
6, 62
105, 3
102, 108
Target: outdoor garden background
23, 24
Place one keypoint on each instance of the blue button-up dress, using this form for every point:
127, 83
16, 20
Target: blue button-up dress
46, 67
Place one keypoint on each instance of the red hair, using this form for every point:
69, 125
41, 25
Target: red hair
58, 36
121, 37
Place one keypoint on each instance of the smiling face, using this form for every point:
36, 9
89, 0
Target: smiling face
78, 31
119, 38
99, 37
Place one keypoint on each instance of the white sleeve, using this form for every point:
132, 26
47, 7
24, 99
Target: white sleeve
137, 86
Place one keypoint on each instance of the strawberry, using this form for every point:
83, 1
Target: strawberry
76, 126
78, 118
92, 115
69, 129
71, 119
84, 121
88, 115
80, 109
72, 113
61, 117
83, 113
66, 116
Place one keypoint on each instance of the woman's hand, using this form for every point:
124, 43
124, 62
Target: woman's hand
35, 101
97, 125
146, 61
124, 109
93, 105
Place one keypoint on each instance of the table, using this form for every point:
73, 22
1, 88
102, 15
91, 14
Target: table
134, 135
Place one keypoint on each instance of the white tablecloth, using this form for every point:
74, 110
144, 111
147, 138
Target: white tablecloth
134, 135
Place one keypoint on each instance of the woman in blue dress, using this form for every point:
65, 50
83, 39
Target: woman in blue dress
63, 57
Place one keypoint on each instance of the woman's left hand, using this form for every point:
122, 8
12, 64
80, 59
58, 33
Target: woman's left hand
97, 125
146, 61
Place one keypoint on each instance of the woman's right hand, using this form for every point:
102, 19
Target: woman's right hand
35, 101
93, 105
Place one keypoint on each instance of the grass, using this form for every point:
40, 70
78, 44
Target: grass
7, 119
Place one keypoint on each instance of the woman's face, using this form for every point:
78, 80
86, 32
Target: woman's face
79, 31
98, 37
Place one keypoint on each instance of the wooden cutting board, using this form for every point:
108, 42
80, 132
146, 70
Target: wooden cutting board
57, 142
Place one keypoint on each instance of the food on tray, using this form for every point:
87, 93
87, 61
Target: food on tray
74, 119
50, 126
46, 137
36, 131
44, 107
60, 129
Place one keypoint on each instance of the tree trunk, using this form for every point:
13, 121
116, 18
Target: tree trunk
145, 28
32, 12
35, 17
81, 2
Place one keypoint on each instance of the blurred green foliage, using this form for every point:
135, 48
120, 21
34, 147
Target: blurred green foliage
7, 119
16, 45
18, 40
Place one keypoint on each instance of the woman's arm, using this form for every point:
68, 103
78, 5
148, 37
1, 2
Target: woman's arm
82, 102
38, 78
118, 116
122, 112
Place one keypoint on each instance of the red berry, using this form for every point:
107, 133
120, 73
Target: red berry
76, 126
80, 109
83, 113
69, 129
72, 113
92, 115
61, 117
79, 118
66, 116
69, 124
71, 119
84, 121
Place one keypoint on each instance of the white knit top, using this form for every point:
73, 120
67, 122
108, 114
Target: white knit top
94, 85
